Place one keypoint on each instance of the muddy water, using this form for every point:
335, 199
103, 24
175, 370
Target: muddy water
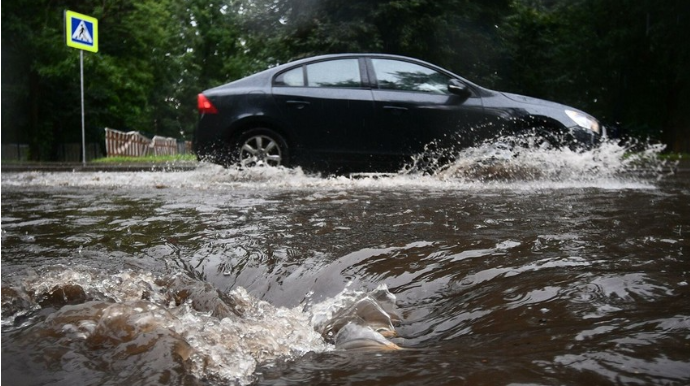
541, 268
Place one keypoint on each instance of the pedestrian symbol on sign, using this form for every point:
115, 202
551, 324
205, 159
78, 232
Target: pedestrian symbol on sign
82, 34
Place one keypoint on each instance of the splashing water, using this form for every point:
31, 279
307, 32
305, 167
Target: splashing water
502, 160
132, 319
495, 165
358, 320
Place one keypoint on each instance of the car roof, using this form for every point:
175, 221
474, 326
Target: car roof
351, 54
264, 77
317, 58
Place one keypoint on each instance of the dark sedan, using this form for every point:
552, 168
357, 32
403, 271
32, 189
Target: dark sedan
366, 112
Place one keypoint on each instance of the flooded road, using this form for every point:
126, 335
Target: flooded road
544, 269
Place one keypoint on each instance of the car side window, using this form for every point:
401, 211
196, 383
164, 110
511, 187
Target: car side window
334, 73
405, 76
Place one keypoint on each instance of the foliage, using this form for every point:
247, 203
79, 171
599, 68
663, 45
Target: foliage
622, 60
456, 34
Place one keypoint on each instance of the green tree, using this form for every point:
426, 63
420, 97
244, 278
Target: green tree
32, 111
457, 34
129, 83
214, 52
622, 60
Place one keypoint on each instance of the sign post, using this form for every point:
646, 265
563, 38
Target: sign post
81, 32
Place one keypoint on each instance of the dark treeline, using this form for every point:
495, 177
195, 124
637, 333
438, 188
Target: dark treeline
624, 61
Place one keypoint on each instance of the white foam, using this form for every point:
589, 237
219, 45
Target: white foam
477, 168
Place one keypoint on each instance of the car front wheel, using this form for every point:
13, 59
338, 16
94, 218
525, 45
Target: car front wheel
262, 147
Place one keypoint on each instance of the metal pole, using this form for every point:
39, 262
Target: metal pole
83, 135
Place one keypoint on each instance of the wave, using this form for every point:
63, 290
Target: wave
112, 326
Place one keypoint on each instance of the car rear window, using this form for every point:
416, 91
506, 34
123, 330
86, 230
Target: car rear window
294, 77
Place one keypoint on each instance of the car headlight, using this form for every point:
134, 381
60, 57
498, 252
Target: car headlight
584, 120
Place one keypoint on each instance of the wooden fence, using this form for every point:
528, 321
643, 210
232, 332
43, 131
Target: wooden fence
117, 143
133, 144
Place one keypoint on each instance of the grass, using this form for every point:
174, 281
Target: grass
674, 156
152, 158
661, 156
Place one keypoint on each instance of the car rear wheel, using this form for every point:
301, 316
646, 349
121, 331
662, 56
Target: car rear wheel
262, 147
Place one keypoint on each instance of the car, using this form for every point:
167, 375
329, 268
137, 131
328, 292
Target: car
368, 113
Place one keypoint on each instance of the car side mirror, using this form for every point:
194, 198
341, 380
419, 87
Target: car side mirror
458, 88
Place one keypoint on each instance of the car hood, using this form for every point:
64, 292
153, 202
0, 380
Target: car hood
532, 101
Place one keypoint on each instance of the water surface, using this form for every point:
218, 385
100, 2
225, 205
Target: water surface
543, 268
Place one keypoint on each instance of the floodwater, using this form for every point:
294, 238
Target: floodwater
540, 268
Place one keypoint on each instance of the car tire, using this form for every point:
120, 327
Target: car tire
261, 147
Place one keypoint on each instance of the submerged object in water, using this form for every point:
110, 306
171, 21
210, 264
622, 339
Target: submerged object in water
356, 337
364, 324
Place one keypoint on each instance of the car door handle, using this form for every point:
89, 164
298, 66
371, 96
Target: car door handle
395, 109
299, 105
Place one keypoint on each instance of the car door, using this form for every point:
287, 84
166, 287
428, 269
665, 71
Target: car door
326, 103
414, 107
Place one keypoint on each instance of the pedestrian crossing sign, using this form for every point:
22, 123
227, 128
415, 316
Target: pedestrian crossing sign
81, 31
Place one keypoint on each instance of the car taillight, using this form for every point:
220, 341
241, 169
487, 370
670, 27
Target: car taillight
205, 106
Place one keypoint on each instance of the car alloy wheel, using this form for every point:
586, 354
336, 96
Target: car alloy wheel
261, 147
